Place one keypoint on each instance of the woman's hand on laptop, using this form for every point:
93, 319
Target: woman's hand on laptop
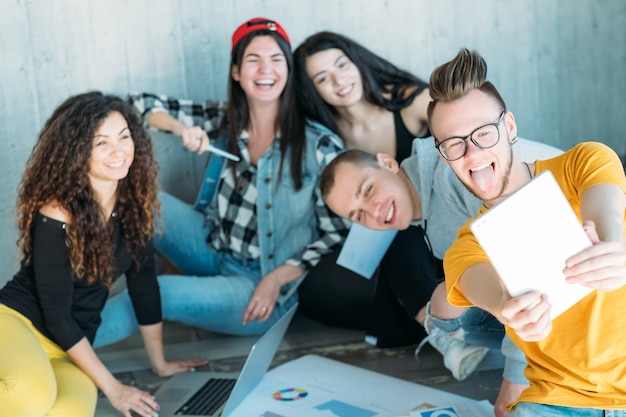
126, 399
170, 368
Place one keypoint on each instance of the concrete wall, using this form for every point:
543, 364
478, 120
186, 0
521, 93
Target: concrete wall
559, 63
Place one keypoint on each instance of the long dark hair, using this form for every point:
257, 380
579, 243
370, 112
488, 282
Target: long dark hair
384, 84
57, 172
289, 122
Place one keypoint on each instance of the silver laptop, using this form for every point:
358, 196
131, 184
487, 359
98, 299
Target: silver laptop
217, 394
528, 237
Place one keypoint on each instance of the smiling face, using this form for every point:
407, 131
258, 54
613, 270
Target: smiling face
335, 77
263, 71
112, 151
378, 198
485, 172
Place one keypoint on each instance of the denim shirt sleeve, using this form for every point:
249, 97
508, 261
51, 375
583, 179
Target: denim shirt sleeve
332, 228
212, 174
207, 114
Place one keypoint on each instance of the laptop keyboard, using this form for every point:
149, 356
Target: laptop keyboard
208, 399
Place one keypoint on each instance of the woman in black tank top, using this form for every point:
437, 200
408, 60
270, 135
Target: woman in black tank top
374, 106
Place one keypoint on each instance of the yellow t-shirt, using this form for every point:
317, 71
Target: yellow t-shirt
582, 363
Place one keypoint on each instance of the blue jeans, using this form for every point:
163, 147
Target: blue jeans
213, 292
479, 327
544, 410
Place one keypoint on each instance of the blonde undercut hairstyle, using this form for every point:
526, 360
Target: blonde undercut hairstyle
453, 80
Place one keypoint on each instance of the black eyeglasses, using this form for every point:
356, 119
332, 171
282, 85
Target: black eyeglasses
485, 137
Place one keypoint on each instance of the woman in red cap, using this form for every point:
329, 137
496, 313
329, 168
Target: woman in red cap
259, 223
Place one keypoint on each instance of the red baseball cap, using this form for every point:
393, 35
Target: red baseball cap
258, 23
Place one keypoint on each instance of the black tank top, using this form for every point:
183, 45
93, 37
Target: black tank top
404, 138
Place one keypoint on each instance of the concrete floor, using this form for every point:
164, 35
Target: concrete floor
128, 362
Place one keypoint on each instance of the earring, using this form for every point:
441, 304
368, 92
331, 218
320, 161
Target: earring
514, 140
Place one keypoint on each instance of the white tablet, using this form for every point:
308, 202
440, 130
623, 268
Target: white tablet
528, 237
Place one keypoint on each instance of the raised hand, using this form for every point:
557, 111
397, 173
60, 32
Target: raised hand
601, 266
193, 138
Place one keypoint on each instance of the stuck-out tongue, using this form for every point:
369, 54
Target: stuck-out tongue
483, 178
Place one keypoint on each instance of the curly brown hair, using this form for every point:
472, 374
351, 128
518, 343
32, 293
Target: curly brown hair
57, 172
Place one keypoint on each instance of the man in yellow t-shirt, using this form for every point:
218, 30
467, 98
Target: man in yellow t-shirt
577, 362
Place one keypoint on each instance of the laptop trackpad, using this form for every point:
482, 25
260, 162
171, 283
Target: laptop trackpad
172, 395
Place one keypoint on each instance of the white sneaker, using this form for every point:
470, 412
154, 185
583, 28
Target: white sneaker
459, 357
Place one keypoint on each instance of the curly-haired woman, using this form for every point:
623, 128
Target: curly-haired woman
86, 208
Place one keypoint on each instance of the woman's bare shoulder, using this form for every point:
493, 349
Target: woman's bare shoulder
54, 211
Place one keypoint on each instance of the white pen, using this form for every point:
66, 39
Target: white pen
223, 153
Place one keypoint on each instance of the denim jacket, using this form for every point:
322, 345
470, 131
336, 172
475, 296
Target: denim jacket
294, 227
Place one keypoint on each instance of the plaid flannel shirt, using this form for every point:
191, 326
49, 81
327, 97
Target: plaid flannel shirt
235, 228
